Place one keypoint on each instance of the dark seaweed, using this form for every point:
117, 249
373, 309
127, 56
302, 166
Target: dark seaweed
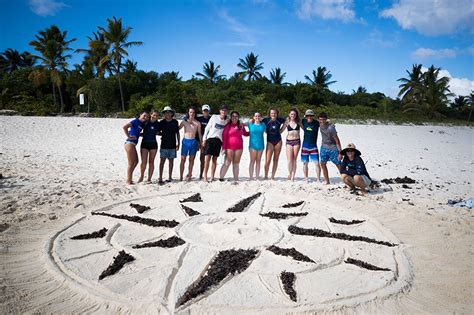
244, 203
293, 253
97, 234
189, 211
226, 262
398, 180
288, 280
342, 236
282, 215
332, 220
145, 221
140, 209
193, 198
119, 261
173, 241
364, 265
293, 205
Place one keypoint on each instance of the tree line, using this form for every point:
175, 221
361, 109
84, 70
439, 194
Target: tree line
43, 82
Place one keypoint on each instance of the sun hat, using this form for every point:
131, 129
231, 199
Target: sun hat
206, 107
167, 109
309, 112
350, 147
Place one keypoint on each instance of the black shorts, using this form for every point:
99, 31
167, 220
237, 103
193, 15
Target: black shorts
213, 147
149, 146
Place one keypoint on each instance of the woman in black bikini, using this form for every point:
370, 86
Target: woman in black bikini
293, 142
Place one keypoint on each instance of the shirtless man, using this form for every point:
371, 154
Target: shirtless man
192, 128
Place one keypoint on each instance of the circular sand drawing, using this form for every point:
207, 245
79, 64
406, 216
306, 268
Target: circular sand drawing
212, 252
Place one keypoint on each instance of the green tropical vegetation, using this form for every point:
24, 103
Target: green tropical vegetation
44, 83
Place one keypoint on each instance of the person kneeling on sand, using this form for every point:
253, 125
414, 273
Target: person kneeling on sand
353, 171
169, 130
192, 128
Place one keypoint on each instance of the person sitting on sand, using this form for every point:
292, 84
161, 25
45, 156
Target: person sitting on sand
132, 130
353, 171
293, 141
309, 149
169, 130
149, 146
330, 145
274, 126
233, 145
203, 120
256, 144
192, 128
212, 140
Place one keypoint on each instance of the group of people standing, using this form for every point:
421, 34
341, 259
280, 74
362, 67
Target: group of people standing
218, 134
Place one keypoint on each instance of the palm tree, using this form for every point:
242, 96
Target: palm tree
51, 43
411, 86
98, 49
360, 90
470, 99
11, 60
210, 72
116, 37
320, 78
130, 66
250, 66
276, 76
28, 59
460, 102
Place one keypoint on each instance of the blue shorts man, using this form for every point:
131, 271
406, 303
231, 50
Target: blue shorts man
309, 149
330, 145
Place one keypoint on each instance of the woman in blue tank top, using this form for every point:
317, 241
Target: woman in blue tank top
256, 145
132, 130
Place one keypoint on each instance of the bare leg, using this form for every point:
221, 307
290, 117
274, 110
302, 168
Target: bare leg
229, 156
190, 167
305, 170
289, 157
181, 167
318, 172
162, 166
151, 164
144, 156
202, 159
236, 163
132, 157
325, 173
276, 157
360, 183
268, 158
207, 161
296, 150
213, 167
170, 168
253, 156
257, 163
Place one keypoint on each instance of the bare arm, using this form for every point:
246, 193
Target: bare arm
338, 144
199, 132
125, 130
284, 125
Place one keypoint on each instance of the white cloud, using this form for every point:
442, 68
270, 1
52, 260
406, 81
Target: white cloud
433, 17
426, 53
46, 7
246, 39
458, 86
326, 9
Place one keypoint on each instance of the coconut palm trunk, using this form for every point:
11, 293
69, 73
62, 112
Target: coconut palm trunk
120, 88
54, 93
61, 99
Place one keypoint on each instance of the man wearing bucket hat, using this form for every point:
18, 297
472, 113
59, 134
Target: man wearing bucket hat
309, 150
353, 171
169, 130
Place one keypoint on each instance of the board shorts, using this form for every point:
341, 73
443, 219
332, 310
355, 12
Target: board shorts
366, 180
149, 145
168, 153
213, 147
326, 155
309, 152
189, 147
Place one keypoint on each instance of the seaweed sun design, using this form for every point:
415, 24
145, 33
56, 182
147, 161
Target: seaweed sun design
218, 249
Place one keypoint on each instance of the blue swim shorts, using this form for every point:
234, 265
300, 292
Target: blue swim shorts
189, 147
168, 153
326, 155
309, 152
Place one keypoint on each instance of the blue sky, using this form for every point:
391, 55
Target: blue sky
364, 42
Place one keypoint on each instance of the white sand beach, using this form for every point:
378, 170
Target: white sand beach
58, 171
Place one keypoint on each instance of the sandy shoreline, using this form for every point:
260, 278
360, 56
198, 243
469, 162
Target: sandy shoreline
57, 170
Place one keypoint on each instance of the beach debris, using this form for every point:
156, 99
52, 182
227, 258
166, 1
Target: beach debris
291, 252
332, 220
468, 203
342, 236
398, 180
365, 265
97, 234
193, 198
1, 176
244, 203
227, 262
406, 186
119, 261
288, 280
283, 215
145, 221
4, 227
173, 241
140, 209
293, 205
189, 211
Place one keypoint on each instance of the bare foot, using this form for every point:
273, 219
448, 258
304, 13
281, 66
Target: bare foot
129, 182
140, 180
161, 182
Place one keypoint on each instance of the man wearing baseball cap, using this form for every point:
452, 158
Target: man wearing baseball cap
309, 150
203, 120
